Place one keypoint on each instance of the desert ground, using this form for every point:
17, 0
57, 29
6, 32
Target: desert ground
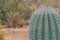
16, 33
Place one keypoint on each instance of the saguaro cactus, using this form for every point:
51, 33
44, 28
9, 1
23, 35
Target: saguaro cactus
44, 24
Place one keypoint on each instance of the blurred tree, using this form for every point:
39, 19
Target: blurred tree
22, 7
2, 11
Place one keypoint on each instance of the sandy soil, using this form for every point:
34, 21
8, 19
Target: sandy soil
16, 34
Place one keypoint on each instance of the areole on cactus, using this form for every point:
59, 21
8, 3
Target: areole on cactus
44, 24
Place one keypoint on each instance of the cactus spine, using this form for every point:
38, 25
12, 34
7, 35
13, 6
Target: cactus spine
44, 24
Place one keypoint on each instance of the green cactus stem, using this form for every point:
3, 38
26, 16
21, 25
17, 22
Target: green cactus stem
44, 24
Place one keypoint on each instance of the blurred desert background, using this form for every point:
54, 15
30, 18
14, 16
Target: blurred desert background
15, 16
